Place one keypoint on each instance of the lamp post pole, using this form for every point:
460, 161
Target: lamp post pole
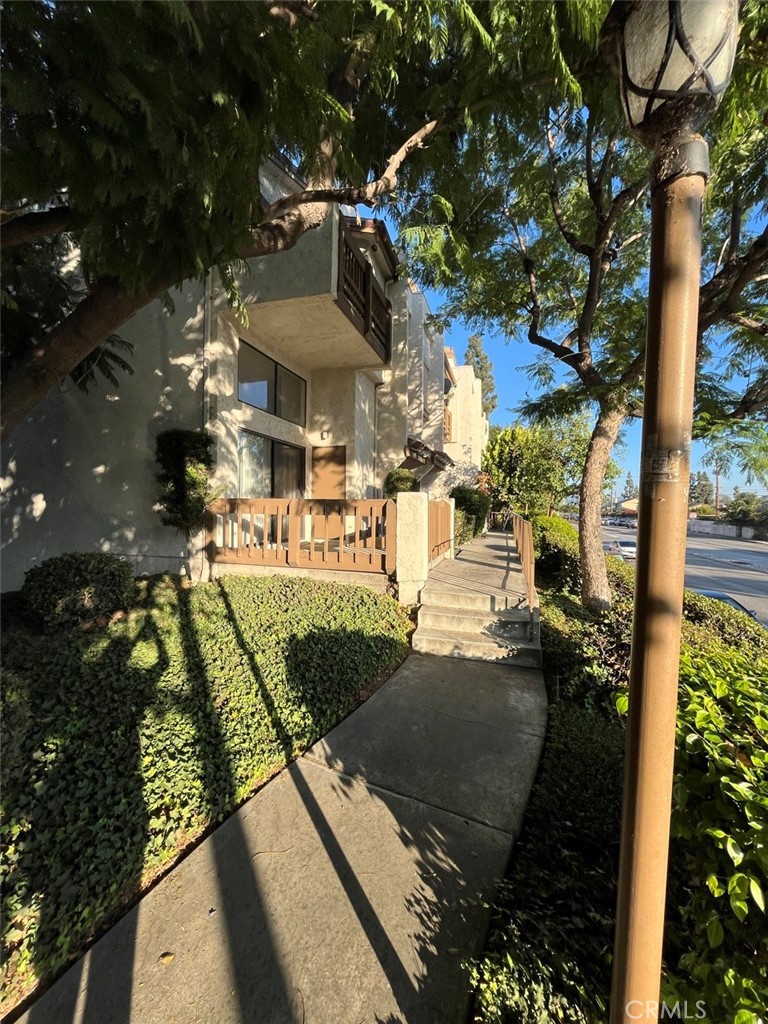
674, 61
670, 364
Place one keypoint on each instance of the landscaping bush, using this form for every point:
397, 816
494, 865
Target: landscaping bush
121, 746
464, 527
716, 943
556, 544
76, 587
474, 504
185, 458
398, 480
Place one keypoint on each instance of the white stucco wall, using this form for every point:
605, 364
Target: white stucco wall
79, 473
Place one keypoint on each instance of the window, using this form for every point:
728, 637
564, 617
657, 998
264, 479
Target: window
265, 384
269, 468
425, 392
256, 378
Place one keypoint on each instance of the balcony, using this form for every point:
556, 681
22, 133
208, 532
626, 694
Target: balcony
362, 298
320, 303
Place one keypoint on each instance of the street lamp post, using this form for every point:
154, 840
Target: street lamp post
673, 59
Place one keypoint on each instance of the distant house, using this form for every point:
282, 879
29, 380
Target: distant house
337, 378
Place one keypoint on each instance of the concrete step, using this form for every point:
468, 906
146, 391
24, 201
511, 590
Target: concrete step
509, 623
476, 647
435, 596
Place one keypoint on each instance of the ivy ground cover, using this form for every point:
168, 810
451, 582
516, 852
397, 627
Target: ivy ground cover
123, 744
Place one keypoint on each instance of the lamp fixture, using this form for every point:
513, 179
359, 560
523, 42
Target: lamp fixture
673, 59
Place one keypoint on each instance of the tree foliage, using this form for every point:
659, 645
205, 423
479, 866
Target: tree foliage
476, 357
147, 167
535, 469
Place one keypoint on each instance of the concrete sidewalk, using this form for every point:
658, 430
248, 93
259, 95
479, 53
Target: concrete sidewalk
346, 890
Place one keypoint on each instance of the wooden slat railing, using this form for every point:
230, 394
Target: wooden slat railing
362, 298
357, 536
523, 535
248, 531
439, 528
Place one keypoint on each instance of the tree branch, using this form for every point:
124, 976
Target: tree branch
29, 227
369, 193
719, 297
570, 237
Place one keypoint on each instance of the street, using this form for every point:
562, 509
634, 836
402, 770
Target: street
737, 567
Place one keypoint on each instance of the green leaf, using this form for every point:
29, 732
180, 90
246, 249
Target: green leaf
715, 932
756, 893
734, 851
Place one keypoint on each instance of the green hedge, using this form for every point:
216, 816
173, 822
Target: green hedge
547, 958
475, 505
464, 527
550, 954
398, 480
77, 587
556, 544
121, 746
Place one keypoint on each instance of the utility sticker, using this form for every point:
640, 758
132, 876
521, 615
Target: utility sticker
661, 465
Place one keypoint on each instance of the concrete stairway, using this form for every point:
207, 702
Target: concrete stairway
474, 606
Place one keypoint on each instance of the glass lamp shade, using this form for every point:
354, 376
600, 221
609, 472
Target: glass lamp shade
674, 60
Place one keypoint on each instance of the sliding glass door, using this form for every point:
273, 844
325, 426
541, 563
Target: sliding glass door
269, 468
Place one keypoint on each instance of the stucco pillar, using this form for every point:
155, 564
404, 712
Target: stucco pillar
412, 545
452, 521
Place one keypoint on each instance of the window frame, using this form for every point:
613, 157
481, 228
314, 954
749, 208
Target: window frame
277, 366
273, 441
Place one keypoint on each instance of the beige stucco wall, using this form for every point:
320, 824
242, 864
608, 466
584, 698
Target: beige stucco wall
79, 473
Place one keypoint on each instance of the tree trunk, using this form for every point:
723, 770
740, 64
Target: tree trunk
595, 590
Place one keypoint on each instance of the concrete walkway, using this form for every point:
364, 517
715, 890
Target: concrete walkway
346, 890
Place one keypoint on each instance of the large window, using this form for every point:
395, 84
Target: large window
265, 384
269, 468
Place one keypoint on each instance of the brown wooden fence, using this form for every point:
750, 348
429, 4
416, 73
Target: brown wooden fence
357, 536
523, 534
439, 528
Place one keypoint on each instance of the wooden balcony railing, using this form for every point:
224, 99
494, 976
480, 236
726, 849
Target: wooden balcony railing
357, 536
362, 298
439, 528
447, 426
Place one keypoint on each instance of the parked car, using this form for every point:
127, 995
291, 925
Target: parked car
718, 595
622, 548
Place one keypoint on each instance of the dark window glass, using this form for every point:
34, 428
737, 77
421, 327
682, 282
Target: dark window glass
291, 396
268, 468
256, 378
289, 471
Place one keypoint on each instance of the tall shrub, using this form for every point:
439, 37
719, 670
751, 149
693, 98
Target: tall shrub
185, 458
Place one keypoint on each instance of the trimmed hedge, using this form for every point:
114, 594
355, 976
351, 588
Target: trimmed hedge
475, 505
72, 588
398, 480
464, 527
547, 957
121, 746
556, 544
